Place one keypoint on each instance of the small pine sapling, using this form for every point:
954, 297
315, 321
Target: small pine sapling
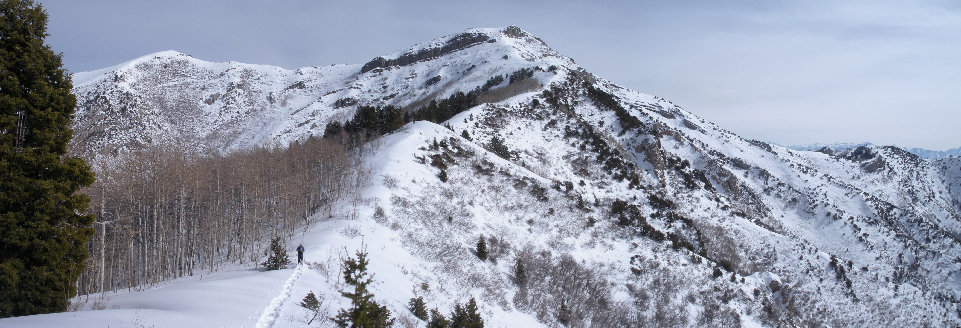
313, 305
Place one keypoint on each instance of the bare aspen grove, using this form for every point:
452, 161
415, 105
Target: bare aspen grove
163, 214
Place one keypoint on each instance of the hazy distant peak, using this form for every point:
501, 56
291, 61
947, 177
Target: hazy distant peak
845, 146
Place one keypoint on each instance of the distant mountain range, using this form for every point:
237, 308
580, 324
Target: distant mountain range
921, 152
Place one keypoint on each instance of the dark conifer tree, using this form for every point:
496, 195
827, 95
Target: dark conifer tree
442, 175
498, 147
43, 231
392, 118
418, 308
312, 304
520, 274
363, 311
481, 249
437, 320
564, 314
466, 316
355, 268
276, 255
332, 129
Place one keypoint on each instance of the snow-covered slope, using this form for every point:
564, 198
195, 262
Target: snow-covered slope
172, 98
626, 207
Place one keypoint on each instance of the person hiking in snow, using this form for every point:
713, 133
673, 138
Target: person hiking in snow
300, 253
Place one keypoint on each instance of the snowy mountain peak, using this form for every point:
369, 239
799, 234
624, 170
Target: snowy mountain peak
205, 105
162, 54
82, 78
523, 44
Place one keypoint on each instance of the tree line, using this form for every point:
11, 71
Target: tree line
163, 214
371, 121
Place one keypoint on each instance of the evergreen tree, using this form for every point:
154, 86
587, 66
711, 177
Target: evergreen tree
276, 255
497, 146
332, 129
418, 308
481, 249
43, 231
311, 303
442, 175
437, 320
364, 311
520, 274
564, 314
391, 119
355, 268
466, 316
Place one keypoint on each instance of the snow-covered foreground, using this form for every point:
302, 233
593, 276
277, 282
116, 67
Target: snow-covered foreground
241, 297
224, 299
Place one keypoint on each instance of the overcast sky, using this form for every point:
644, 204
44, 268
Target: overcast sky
788, 72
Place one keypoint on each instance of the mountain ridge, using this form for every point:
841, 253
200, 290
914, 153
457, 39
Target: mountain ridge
645, 196
841, 146
270, 103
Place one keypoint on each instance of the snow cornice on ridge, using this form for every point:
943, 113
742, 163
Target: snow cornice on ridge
449, 44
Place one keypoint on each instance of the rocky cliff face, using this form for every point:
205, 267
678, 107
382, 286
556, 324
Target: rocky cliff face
629, 208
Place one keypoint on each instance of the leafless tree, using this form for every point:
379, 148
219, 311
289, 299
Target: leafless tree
165, 213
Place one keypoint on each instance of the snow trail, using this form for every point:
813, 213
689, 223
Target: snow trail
272, 311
